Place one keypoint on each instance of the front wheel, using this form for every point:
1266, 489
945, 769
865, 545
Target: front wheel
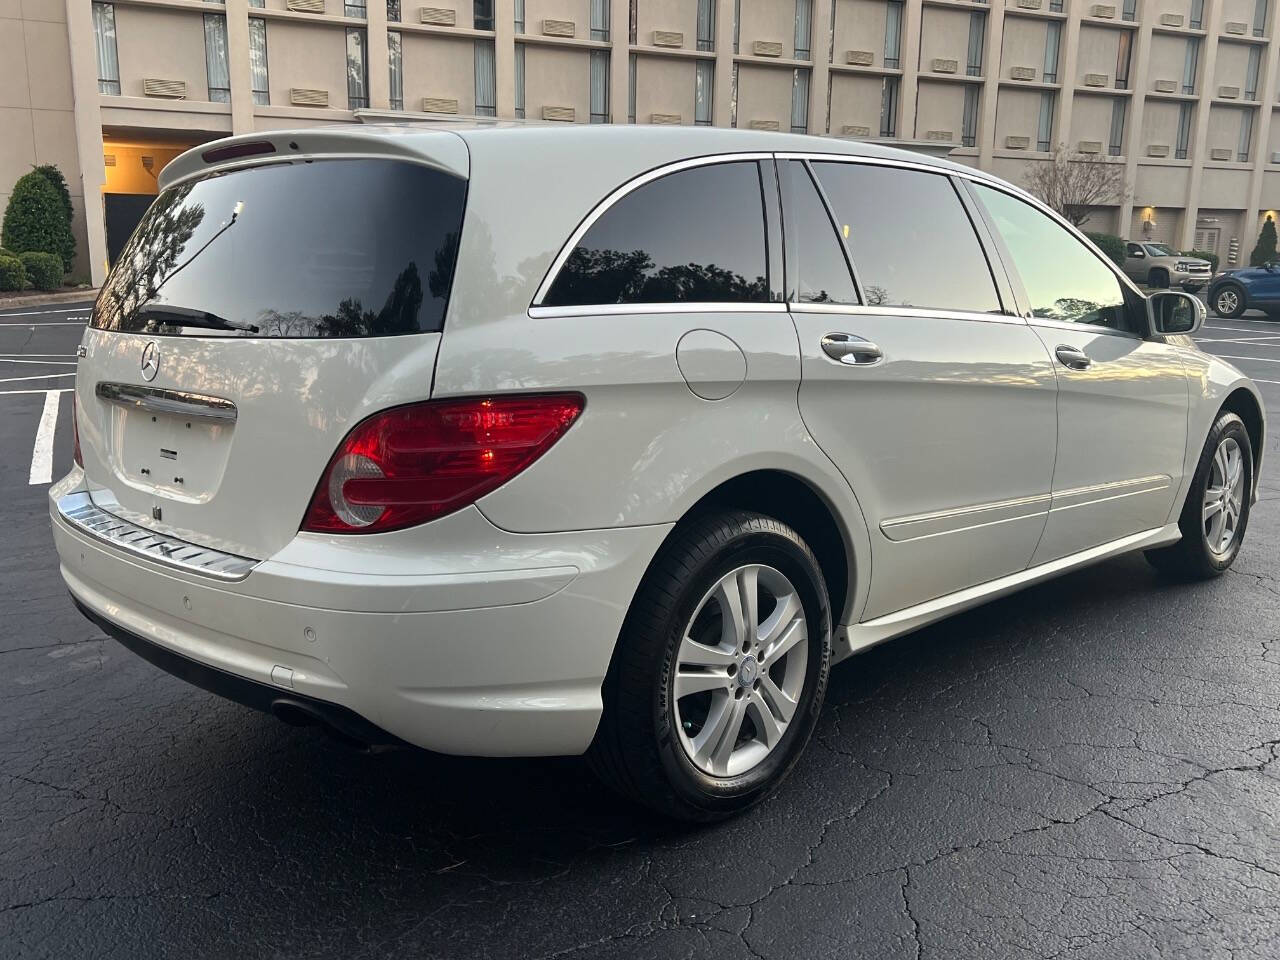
1216, 513
720, 670
1228, 301
1158, 278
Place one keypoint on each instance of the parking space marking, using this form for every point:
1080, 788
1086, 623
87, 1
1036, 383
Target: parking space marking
11, 393
42, 454
47, 363
37, 354
1250, 329
52, 323
41, 313
1229, 356
47, 376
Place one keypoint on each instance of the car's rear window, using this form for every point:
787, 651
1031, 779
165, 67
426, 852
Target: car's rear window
331, 248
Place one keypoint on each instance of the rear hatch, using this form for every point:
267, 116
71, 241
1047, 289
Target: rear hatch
257, 313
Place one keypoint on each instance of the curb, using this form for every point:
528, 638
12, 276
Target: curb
9, 303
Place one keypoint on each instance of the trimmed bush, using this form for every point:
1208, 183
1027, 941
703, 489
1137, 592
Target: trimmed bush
1204, 255
1109, 244
13, 276
1265, 251
44, 270
36, 218
59, 182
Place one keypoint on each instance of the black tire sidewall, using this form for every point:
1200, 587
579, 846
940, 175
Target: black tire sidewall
715, 795
1192, 524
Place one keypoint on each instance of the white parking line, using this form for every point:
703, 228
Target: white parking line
1253, 328
10, 393
1225, 356
48, 376
1248, 341
40, 313
47, 363
52, 323
42, 455
37, 354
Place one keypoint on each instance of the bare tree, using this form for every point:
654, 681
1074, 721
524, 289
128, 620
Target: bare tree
1074, 184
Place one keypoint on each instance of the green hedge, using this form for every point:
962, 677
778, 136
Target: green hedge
13, 276
1109, 244
1204, 255
36, 218
44, 270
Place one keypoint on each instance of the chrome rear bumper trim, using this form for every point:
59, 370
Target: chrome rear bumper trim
79, 511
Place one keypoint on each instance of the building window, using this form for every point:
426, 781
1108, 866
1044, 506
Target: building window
969, 123
599, 86
395, 63
1190, 65
215, 57
804, 29
519, 81
889, 107
260, 4
483, 16
600, 20
1055, 6
354, 8
1052, 40
1124, 53
1115, 144
104, 36
486, 79
977, 33
704, 84
1245, 147
733, 96
1251, 73
800, 100
357, 69
393, 11
893, 35
1196, 20
1184, 131
1044, 136
633, 17
631, 88
258, 61
519, 16
1259, 17
706, 25
737, 25
1130, 10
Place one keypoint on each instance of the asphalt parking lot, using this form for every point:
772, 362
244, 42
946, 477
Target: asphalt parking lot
1086, 769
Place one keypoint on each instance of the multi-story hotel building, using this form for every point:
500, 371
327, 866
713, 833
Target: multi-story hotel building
1180, 93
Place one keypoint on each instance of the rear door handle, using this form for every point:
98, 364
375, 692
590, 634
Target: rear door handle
855, 351
1073, 357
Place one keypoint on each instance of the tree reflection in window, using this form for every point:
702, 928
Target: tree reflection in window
695, 236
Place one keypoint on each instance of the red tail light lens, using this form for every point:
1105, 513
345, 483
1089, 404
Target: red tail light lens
75, 433
412, 464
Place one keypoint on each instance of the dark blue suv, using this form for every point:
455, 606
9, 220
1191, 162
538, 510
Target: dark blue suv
1232, 292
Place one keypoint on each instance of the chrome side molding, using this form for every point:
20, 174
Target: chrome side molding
177, 403
80, 513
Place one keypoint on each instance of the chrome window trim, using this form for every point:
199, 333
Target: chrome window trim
603, 206
864, 310
624, 309
78, 511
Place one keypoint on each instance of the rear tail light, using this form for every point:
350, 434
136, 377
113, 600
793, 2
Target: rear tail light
75, 434
412, 464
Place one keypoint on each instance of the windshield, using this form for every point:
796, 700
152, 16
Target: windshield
332, 248
1161, 250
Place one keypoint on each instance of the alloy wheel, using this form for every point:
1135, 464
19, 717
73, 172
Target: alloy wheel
1227, 301
1224, 497
740, 670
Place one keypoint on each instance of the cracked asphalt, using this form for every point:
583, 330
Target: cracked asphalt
1087, 769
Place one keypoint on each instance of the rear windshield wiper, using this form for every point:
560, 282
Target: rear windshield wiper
189, 317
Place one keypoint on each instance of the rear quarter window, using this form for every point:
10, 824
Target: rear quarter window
330, 248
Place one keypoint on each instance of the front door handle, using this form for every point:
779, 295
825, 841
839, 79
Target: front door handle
1073, 357
855, 351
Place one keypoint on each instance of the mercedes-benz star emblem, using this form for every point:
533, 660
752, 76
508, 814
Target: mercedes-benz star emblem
150, 360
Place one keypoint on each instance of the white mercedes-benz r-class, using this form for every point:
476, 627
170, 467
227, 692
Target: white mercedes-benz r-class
520, 440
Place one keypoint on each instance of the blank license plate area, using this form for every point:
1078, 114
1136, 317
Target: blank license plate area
181, 457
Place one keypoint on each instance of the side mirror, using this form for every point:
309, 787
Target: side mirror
1171, 312
1138, 255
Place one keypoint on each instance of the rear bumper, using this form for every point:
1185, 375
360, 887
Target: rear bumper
487, 643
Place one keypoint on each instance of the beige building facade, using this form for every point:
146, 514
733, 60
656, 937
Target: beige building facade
1180, 93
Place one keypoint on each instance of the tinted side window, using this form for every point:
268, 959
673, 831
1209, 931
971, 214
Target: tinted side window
696, 235
1133, 250
910, 238
816, 268
1063, 279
